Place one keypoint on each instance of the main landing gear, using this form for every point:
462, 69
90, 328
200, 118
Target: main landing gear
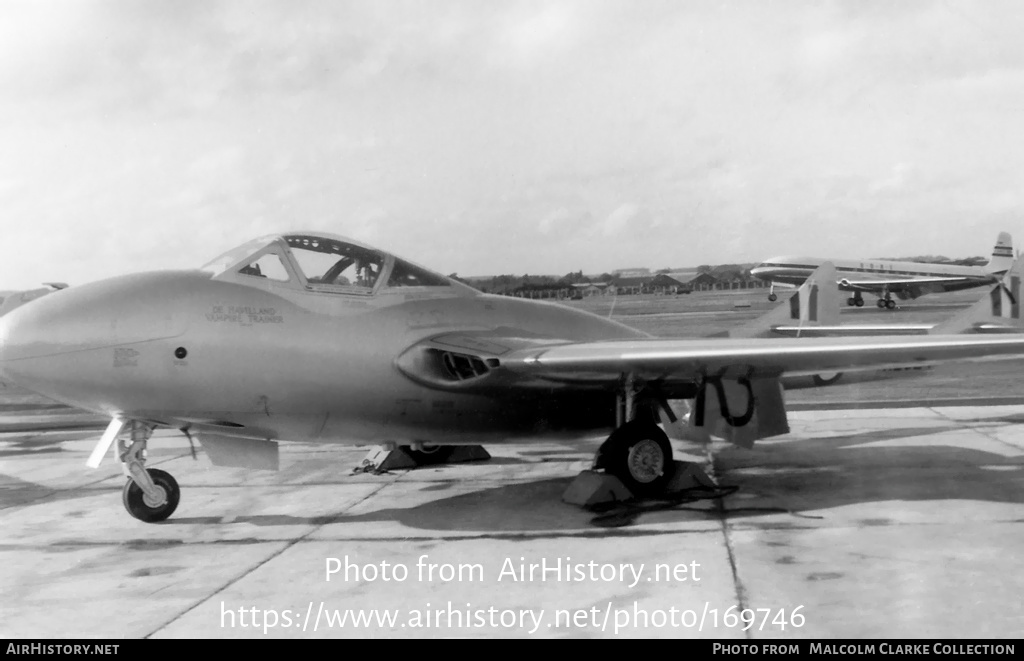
638, 452
856, 299
886, 303
640, 455
150, 495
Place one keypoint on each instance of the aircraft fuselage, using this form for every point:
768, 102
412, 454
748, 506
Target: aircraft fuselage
795, 270
181, 349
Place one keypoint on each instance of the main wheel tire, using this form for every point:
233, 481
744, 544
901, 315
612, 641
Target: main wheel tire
890, 304
640, 455
880, 303
851, 301
135, 499
859, 302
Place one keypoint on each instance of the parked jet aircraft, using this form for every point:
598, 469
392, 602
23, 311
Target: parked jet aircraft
886, 277
313, 337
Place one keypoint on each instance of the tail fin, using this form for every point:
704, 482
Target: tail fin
1002, 255
815, 303
997, 312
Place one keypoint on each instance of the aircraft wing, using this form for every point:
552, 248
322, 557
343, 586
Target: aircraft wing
654, 360
915, 286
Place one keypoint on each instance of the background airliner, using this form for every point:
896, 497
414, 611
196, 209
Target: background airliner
886, 277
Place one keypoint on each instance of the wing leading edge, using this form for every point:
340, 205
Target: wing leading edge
654, 359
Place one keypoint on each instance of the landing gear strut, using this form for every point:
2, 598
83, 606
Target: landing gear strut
150, 495
771, 293
856, 299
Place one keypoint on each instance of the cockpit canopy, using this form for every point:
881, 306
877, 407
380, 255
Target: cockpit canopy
321, 262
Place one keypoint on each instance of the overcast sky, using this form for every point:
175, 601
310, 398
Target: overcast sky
485, 137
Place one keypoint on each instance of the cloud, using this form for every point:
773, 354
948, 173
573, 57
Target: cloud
511, 136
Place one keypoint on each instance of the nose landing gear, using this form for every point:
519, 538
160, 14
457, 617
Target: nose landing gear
152, 509
855, 300
150, 495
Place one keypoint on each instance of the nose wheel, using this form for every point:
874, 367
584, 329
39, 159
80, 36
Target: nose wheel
155, 505
855, 300
150, 495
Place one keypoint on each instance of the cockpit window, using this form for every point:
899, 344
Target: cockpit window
405, 274
329, 262
268, 266
224, 261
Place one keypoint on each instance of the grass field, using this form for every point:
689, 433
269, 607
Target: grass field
704, 313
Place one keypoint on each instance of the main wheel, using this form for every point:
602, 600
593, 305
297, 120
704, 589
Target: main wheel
851, 301
639, 454
135, 498
859, 302
890, 304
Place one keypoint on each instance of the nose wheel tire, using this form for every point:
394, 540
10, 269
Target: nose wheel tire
640, 455
142, 508
772, 297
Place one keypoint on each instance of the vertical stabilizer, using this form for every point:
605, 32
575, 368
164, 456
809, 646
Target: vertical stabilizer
1002, 254
997, 311
815, 303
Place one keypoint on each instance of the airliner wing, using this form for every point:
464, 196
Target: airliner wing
915, 286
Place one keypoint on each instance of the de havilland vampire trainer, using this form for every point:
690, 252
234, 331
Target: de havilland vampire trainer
316, 338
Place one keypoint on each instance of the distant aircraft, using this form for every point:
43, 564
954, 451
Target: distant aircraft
317, 338
885, 277
998, 312
13, 299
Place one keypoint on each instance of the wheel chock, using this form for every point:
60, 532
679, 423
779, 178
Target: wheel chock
592, 488
459, 454
689, 476
384, 458
596, 488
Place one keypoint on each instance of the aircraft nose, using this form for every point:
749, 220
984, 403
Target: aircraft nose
70, 338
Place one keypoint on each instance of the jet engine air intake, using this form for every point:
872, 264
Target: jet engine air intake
460, 367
